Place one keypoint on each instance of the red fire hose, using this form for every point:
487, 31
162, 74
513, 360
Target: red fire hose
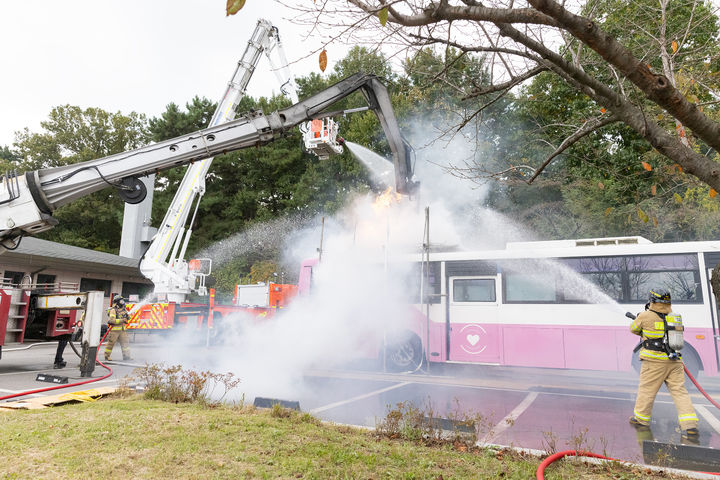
56, 387
540, 474
700, 388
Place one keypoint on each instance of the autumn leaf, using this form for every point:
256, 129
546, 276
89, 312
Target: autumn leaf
678, 198
601, 185
713, 193
323, 60
383, 16
234, 6
643, 216
608, 210
647, 166
653, 190
679, 168
602, 110
655, 222
674, 46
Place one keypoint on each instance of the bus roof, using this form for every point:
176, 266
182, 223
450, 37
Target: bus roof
582, 242
610, 246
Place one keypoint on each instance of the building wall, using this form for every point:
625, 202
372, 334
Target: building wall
64, 275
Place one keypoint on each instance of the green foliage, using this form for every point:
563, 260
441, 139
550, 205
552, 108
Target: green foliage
601, 184
72, 135
264, 271
597, 187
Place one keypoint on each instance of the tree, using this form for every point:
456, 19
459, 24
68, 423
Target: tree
72, 135
619, 83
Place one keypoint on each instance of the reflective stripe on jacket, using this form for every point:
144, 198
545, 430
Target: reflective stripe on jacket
117, 319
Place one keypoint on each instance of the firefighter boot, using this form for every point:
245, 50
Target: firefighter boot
637, 423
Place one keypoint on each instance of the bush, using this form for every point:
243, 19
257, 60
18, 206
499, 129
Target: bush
176, 385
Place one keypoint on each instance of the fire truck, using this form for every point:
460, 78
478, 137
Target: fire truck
163, 263
27, 200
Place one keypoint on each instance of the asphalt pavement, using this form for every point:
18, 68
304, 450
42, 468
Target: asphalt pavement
533, 408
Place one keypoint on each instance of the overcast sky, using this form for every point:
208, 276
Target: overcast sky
131, 55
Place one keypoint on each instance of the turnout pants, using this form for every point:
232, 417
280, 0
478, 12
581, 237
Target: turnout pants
114, 336
652, 376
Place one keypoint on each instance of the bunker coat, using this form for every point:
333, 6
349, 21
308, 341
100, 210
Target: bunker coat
657, 368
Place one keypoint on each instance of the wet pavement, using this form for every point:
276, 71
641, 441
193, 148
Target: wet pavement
541, 409
531, 408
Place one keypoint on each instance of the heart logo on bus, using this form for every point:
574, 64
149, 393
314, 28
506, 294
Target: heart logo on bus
473, 339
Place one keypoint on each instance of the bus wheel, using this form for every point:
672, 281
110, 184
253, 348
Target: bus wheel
692, 362
405, 354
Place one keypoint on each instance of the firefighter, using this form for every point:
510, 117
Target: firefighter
660, 364
117, 319
62, 343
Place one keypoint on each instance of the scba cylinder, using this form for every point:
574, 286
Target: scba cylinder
675, 331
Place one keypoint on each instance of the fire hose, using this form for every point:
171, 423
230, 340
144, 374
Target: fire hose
57, 387
540, 474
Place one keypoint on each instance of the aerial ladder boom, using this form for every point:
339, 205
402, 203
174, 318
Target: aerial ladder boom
163, 262
28, 200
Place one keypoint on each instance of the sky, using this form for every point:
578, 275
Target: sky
132, 55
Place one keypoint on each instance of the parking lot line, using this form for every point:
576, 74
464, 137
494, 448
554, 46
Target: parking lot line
709, 417
358, 397
510, 418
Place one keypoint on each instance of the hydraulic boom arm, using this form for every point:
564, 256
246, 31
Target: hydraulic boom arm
164, 261
28, 200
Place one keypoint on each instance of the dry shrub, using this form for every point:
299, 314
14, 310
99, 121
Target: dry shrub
177, 385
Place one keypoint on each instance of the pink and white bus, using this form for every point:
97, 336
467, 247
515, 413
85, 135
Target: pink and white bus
556, 304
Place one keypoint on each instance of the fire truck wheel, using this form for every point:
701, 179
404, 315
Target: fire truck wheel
405, 354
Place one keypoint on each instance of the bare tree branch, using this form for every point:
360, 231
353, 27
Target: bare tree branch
442, 10
587, 128
506, 85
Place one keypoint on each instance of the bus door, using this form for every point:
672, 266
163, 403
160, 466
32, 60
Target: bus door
473, 331
714, 316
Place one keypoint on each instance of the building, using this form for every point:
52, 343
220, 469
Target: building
42, 262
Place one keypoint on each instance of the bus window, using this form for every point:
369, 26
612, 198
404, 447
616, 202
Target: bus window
417, 274
678, 274
603, 276
529, 287
681, 285
474, 290
610, 283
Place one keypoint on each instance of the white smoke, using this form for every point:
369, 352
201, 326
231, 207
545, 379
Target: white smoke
359, 297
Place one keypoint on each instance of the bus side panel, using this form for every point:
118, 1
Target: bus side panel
701, 339
473, 342
625, 342
533, 346
437, 341
590, 348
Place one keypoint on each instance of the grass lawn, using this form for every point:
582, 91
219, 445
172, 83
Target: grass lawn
129, 438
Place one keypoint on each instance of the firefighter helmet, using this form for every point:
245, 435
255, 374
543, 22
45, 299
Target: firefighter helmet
119, 301
659, 296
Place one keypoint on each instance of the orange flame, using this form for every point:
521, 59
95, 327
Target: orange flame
387, 198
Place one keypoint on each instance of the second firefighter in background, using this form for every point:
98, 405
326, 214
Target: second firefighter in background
118, 318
